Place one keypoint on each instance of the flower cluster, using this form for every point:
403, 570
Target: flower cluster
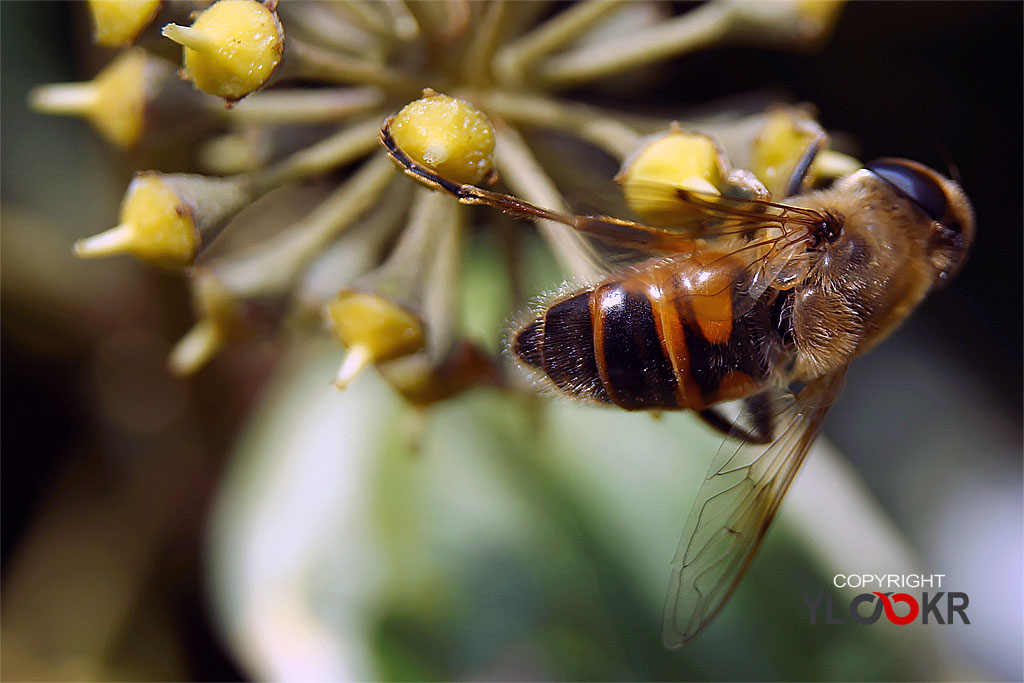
280, 95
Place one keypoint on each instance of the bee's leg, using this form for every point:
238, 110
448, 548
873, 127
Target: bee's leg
466, 194
612, 230
756, 411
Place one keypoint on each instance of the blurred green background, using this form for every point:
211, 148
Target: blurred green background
253, 523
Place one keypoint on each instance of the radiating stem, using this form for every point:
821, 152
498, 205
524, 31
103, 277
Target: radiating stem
195, 349
457, 14
442, 285
403, 22
353, 142
600, 128
301, 106
273, 266
436, 22
697, 28
513, 61
355, 252
527, 178
420, 274
311, 62
480, 50
366, 16
330, 26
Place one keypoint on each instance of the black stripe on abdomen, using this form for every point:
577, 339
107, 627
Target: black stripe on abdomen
561, 344
745, 351
638, 371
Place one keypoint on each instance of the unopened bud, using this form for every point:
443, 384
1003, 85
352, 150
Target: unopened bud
373, 329
231, 49
117, 23
219, 320
166, 218
788, 22
115, 102
784, 149
671, 161
446, 135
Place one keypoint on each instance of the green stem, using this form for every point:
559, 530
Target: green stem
403, 22
600, 128
311, 62
366, 16
328, 25
273, 266
349, 144
692, 31
527, 178
440, 301
301, 106
514, 60
484, 42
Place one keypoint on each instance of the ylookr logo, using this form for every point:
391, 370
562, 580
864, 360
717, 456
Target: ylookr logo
932, 607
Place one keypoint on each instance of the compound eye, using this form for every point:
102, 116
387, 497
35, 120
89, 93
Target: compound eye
915, 182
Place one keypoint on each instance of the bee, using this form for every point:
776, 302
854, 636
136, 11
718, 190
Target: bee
748, 313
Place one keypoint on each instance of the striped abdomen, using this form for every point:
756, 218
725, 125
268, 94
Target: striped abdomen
647, 342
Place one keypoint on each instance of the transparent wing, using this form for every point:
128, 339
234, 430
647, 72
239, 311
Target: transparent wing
731, 249
735, 506
701, 216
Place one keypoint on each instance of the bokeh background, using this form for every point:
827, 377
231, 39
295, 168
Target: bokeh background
252, 523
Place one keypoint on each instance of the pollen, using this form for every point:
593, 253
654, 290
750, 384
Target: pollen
671, 161
114, 102
446, 135
232, 48
155, 225
373, 329
119, 22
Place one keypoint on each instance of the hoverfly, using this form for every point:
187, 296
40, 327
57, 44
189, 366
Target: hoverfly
748, 313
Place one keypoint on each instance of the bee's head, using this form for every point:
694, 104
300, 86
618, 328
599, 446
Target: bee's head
949, 228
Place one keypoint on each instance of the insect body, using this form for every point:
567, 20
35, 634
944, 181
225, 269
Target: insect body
799, 294
648, 339
645, 339
748, 313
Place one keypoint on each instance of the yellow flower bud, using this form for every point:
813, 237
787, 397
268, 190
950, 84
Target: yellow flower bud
788, 22
114, 102
165, 218
673, 160
784, 149
231, 49
155, 226
816, 18
446, 135
119, 22
219, 321
830, 164
373, 329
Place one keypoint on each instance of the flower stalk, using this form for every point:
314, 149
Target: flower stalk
375, 55
135, 94
301, 106
273, 266
394, 310
515, 60
165, 218
527, 178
